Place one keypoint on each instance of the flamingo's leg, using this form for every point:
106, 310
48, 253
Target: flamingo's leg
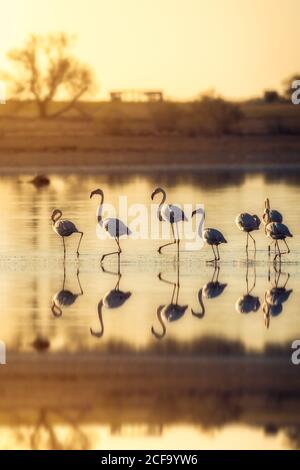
253, 241
218, 258
287, 278
169, 243
178, 238
177, 284
64, 246
79, 283
112, 252
288, 249
217, 270
215, 258
81, 235
279, 252
247, 243
118, 243
269, 248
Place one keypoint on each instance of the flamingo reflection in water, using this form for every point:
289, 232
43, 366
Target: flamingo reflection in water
45, 433
275, 297
171, 312
64, 297
115, 298
40, 344
248, 303
211, 290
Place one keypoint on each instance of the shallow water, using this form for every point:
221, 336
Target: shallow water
32, 274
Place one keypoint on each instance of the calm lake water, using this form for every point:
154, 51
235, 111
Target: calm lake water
220, 378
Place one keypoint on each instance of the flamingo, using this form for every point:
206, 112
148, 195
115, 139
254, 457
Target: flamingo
114, 227
113, 299
64, 228
212, 236
64, 297
274, 298
278, 231
171, 312
270, 216
248, 223
211, 290
248, 303
171, 214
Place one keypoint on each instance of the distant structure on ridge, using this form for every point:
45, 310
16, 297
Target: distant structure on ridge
151, 96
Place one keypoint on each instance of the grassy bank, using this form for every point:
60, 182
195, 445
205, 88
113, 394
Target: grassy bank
73, 141
73, 145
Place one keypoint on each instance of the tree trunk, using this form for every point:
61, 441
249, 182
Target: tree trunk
42, 109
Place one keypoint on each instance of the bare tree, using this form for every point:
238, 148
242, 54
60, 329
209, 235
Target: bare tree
45, 70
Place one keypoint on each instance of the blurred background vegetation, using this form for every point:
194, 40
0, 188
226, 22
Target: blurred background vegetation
47, 82
207, 116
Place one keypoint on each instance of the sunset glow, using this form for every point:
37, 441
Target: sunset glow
182, 47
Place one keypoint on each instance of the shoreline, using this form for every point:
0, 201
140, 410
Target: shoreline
82, 152
148, 169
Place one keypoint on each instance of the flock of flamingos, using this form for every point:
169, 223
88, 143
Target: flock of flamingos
275, 230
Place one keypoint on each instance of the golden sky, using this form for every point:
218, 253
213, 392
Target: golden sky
238, 47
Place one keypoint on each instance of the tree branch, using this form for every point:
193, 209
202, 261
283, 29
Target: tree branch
69, 105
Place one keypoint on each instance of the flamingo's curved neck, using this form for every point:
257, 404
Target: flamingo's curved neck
202, 312
56, 217
201, 224
56, 310
164, 197
200, 298
160, 319
99, 334
99, 211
